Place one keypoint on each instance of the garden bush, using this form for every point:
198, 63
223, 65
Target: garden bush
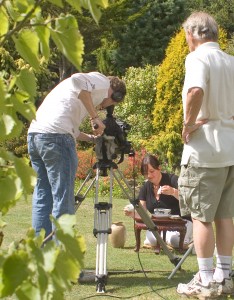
138, 105
86, 160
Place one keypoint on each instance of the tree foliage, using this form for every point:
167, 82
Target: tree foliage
136, 33
91, 32
222, 10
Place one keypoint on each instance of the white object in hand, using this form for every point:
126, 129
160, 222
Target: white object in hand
159, 190
129, 207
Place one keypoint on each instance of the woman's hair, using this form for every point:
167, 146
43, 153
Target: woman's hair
202, 26
149, 159
119, 88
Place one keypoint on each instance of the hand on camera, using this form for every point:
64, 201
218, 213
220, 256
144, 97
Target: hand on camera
97, 126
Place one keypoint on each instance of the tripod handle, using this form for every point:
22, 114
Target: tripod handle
79, 198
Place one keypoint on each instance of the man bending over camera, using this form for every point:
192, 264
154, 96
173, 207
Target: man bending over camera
52, 140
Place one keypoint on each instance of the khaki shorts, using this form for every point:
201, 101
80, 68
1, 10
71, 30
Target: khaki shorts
206, 193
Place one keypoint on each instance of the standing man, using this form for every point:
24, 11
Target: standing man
206, 182
52, 140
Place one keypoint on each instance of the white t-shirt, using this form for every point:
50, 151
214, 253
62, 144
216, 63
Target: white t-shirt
211, 69
62, 111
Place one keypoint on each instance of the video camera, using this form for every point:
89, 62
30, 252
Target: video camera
114, 141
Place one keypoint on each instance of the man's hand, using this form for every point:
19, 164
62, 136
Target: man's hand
188, 130
97, 126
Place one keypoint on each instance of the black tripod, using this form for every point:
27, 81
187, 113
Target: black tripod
103, 214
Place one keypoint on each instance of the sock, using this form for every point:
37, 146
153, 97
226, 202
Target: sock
206, 270
223, 267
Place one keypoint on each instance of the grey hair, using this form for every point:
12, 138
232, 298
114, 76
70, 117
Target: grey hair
202, 26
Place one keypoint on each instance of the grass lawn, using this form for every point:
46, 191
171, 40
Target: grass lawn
126, 279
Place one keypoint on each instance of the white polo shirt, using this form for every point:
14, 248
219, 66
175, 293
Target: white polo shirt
62, 111
211, 69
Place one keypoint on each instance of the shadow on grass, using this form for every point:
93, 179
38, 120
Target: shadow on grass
129, 247
151, 285
157, 283
153, 278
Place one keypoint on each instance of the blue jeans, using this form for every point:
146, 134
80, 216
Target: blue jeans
54, 158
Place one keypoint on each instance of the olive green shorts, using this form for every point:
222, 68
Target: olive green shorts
206, 193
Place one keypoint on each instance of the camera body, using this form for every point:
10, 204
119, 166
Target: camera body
114, 141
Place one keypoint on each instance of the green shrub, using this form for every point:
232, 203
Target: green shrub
138, 105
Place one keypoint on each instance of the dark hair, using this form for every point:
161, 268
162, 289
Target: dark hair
149, 159
118, 87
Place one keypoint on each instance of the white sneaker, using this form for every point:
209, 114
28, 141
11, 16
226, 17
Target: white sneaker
195, 289
225, 287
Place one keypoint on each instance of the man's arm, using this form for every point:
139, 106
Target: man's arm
85, 137
192, 108
193, 104
86, 99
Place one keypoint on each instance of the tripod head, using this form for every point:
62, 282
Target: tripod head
104, 165
113, 142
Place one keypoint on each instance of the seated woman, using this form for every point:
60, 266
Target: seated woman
160, 190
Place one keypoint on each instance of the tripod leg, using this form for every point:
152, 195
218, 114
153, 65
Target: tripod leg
102, 227
79, 197
101, 271
190, 249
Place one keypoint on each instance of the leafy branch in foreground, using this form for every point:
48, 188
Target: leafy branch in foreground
28, 28
32, 272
